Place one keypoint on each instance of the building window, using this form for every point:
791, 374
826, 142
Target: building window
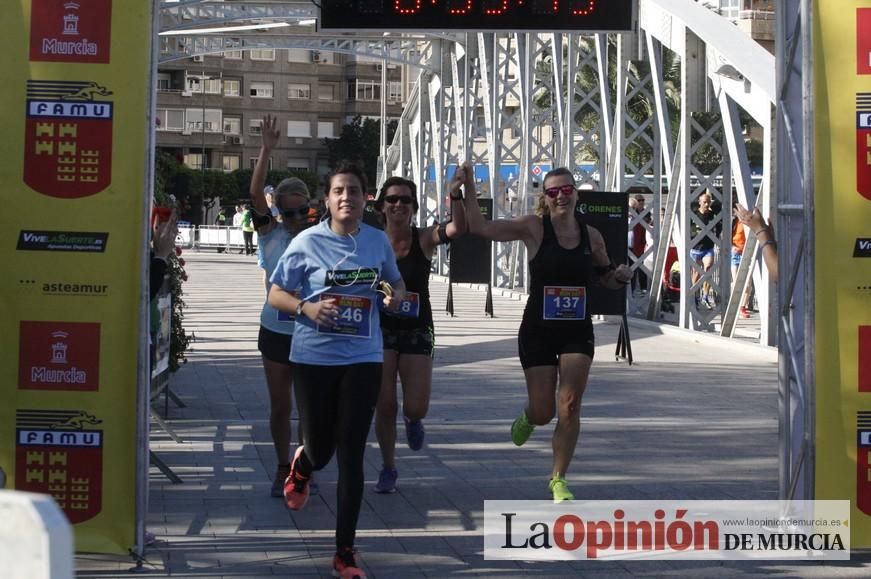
194, 160
364, 90
394, 91
299, 129
297, 164
299, 91
170, 120
195, 83
262, 54
232, 87
260, 90
196, 123
231, 162
232, 126
232, 43
255, 127
252, 162
164, 81
326, 130
298, 55
325, 92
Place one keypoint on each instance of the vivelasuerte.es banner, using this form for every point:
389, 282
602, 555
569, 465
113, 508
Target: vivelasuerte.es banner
74, 163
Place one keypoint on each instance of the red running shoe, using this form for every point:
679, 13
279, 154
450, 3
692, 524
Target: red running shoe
345, 567
296, 489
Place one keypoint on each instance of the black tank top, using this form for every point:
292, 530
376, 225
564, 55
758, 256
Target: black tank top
556, 266
415, 269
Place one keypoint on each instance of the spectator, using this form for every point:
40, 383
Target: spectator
248, 230
739, 239
703, 250
638, 244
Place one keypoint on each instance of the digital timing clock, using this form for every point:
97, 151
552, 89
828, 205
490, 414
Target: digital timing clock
479, 15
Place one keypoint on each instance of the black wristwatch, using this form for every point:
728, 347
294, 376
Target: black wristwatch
299, 308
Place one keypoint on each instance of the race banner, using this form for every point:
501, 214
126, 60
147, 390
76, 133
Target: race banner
842, 154
74, 163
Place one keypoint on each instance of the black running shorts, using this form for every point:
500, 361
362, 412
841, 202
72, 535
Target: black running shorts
275, 347
537, 346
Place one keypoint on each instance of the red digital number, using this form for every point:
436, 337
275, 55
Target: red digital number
582, 7
406, 6
495, 7
459, 7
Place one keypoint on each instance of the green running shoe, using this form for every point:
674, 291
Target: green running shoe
560, 489
521, 429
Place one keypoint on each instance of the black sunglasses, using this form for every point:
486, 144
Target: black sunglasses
404, 199
295, 213
554, 192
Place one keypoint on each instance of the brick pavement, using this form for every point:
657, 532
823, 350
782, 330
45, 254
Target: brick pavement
694, 417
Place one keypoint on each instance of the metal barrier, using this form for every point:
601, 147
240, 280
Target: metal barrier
217, 237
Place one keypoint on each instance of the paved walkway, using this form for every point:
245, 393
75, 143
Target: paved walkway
694, 417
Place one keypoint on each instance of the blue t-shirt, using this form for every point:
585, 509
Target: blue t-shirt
271, 246
324, 264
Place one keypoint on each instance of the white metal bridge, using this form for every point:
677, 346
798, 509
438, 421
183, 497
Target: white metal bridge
663, 108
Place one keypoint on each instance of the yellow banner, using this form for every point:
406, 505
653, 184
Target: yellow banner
842, 108
73, 163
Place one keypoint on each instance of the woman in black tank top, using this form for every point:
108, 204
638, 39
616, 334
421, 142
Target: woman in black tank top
555, 341
408, 333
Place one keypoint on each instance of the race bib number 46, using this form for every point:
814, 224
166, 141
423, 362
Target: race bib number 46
565, 303
354, 318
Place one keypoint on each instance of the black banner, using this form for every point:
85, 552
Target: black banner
471, 256
370, 216
607, 212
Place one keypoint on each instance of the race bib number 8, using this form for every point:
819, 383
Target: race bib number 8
565, 303
408, 308
354, 316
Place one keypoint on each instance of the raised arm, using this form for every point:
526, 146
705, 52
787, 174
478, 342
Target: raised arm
437, 234
270, 135
522, 228
764, 233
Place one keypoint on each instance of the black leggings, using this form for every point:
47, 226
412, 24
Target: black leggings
335, 405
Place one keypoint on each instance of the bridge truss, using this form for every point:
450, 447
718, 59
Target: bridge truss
662, 109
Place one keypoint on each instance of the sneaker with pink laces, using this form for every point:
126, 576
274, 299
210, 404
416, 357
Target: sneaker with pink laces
296, 486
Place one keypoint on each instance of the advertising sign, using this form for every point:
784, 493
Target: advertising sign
74, 163
842, 155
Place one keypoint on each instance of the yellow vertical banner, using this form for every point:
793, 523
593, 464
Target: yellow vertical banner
842, 165
76, 105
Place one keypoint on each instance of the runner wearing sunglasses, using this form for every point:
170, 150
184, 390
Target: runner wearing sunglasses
555, 342
408, 333
337, 351
275, 230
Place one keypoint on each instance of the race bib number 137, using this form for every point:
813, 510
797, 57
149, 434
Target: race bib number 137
565, 303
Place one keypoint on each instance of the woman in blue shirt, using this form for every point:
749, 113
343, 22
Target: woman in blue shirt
337, 350
275, 230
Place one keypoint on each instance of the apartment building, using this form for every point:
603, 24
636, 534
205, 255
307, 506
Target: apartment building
209, 108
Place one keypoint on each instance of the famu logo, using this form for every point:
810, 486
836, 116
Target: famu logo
68, 138
346, 277
85, 241
60, 453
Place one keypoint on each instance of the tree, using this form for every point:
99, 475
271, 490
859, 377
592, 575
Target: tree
359, 142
